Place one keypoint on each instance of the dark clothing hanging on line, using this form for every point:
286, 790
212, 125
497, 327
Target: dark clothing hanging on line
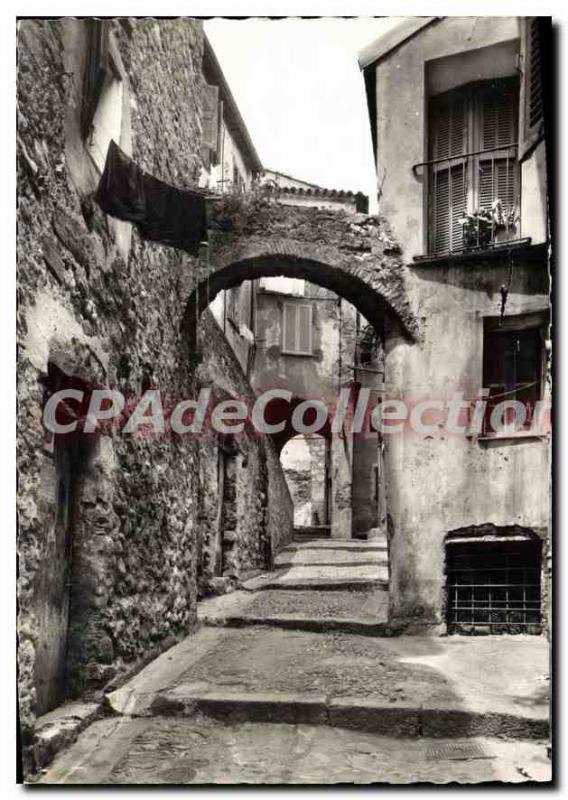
162, 213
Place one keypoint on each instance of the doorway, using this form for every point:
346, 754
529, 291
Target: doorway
53, 581
306, 461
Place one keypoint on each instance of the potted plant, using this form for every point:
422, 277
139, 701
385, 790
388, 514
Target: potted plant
482, 227
477, 229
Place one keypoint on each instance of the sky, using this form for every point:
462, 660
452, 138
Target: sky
301, 94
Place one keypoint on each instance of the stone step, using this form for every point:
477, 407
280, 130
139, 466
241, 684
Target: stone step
312, 532
295, 622
338, 544
340, 558
364, 612
330, 562
306, 584
370, 715
204, 751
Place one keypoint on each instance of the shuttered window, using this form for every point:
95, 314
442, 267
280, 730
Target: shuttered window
497, 171
297, 329
210, 122
96, 70
448, 147
234, 305
532, 96
472, 153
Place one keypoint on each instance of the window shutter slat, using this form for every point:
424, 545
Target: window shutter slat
535, 100
234, 305
297, 328
289, 327
450, 204
441, 210
498, 181
532, 96
458, 129
449, 125
486, 177
304, 329
499, 118
210, 120
96, 66
448, 140
458, 204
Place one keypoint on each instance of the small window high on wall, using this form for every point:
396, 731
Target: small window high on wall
474, 170
103, 96
512, 370
297, 329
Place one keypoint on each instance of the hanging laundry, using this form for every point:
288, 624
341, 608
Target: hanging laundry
162, 213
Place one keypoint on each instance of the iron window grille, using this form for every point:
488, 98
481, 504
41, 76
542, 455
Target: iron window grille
494, 587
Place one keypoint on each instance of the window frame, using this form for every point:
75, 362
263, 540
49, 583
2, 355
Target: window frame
103, 63
297, 351
211, 124
537, 321
473, 154
234, 305
529, 136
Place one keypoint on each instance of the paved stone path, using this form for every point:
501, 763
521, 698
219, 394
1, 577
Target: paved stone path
326, 565
289, 684
201, 750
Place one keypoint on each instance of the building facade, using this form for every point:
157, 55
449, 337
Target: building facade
457, 116
230, 165
315, 343
119, 535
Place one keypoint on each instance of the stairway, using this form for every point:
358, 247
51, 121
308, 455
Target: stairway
317, 585
295, 678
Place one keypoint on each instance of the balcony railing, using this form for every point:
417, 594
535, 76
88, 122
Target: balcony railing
473, 201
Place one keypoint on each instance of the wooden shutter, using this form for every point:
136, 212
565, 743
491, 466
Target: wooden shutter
96, 68
210, 119
289, 325
497, 171
304, 328
532, 99
233, 310
498, 181
448, 178
297, 328
449, 127
499, 116
535, 103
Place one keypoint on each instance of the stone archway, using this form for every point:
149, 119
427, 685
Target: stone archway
372, 281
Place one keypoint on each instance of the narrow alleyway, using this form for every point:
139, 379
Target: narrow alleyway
289, 680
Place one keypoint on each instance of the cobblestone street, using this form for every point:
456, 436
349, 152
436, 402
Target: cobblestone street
284, 347
268, 691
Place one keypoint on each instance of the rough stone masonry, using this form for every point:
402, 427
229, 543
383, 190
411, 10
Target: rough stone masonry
145, 512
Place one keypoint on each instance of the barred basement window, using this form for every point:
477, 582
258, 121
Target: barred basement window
297, 329
493, 587
472, 159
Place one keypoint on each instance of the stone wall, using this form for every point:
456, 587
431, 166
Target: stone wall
98, 303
